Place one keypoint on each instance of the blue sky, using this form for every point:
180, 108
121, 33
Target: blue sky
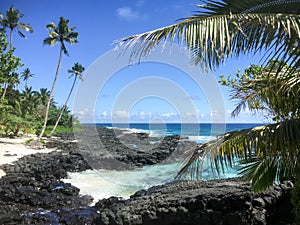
99, 24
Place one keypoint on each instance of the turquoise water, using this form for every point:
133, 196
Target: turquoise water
106, 183
186, 129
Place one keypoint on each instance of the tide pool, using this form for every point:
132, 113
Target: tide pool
106, 183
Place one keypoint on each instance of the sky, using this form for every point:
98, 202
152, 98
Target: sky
161, 88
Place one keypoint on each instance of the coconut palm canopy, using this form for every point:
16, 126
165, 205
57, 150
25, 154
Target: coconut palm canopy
11, 20
222, 29
60, 34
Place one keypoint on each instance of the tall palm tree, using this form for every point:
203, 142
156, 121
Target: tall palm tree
229, 28
26, 74
11, 21
58, 34
76, 71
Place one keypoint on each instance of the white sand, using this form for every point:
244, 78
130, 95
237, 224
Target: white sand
11, 149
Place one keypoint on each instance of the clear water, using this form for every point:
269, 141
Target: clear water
105, 183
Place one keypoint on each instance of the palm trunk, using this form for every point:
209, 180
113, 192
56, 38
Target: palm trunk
4, 91
3, 94
64, 107
50, 96
6, 83
10, 39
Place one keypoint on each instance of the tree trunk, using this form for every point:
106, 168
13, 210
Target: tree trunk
64, 107
4, 91
6, 83
50, 96
10, 39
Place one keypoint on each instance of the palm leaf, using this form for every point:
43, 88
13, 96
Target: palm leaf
221, 32
50, 41
269, 152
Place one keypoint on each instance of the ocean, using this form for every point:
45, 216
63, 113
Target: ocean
185, 129
106, 183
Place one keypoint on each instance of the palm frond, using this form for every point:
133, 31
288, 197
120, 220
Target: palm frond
245, 6
51, 26
275, 145
214, 36
21, 34
50, 41
26, 27
262, 172
64, 49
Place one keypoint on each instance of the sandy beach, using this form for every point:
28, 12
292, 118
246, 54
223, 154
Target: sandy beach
11, 149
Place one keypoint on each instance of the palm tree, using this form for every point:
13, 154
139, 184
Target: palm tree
11, 21
58, 34
76, 71
269, 152
26, 74
229, 28
40, 99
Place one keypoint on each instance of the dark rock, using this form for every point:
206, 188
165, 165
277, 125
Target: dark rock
213, 202
115, 149
81, 216
258, 202
31, 192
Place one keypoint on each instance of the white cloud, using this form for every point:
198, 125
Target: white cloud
127, 13
104, 114
120, 114
84, 115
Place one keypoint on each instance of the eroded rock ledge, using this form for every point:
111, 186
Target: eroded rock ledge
225, 202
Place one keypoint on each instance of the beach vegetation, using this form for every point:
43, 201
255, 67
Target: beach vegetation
76, 72
22, 111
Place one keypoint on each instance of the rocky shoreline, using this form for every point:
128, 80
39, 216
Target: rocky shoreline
31, 192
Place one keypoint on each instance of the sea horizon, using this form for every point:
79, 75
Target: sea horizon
183, 129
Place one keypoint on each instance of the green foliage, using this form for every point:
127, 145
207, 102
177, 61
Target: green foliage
28, 141
267, 153
229, 28
261, 89
66, 119
8, 62
60, 34
60, 129
11, 20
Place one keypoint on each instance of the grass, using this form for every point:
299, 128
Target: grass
61, 129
